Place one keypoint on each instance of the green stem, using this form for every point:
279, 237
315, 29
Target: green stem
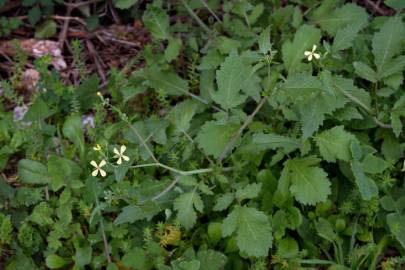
195, 17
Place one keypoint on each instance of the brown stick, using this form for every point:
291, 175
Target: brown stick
63, 33
93, 53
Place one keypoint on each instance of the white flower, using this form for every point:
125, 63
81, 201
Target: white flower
98, 168
312, 53
97, 147
120, 154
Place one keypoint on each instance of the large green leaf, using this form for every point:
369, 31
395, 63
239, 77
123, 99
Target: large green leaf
349, 14
334, 144
63, 171
307, 182
211, 259
367, 187
365, 71
388, 42
252, 228
33, 172
293, 52
180, 116
168, 81
345, 36
396, 223
73, 130
213, 137
262, 141
38, 110
230, 77
185, 205
157, 22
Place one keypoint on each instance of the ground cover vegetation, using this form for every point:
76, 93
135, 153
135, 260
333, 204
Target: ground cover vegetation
202, 134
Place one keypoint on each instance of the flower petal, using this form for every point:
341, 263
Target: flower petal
119, 161
123, 148
102, 163
313, 48
94, 164
103, 173
94, 173
116, 151
306, 53
126, 158
317, 55
310, 57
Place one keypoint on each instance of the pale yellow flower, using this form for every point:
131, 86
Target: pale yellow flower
98, 168
311, 54
120, 154
97, 147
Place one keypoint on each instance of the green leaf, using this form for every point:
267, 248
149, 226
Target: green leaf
133, 213
293, 52
168, 81
367, 187
357, 95
73, 130
345, 36
136, 258
373, 164
349, 14
224, 201
33, 172
252, 228
38, 110
86, 92
325, 230
397, 112
211, 259
392, 66
307, 182
46, 29
173, 49
83, 256
248, 192
313, 113
180, 116
157, 22
365, 71
63, 172
189, 265
287, 248
334, 144
185, 205
222, 133
264, 41
231, 75
396, 223
274, 141
211, 60
124, 4
388, 42
313, 99
34, 15
54, 261
395, 4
